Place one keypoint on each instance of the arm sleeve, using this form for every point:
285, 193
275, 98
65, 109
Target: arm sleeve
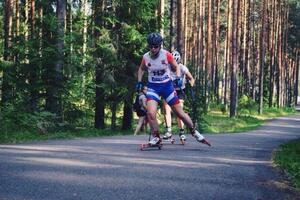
143, 61
170, 57
183, 69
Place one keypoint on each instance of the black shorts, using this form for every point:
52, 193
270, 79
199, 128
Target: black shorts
181, 94
141, 113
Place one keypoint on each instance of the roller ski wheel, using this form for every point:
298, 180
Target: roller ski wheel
182, 138
204, 141
147, 146
182, 141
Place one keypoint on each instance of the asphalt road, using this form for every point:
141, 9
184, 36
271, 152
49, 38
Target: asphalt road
238, 166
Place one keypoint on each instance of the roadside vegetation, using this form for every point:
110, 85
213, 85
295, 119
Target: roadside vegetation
218, 122
288, 159
22, 127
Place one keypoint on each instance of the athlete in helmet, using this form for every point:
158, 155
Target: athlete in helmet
185, 74
157, 62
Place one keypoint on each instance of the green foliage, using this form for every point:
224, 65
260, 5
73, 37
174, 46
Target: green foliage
195, 103
294, 23
288, 158
5, 65
217, 122
246, 105
222, 123
17, 119
116, 52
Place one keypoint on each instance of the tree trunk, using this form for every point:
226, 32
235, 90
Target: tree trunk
55, 92
99, 101
7, 88
113, 115
234, 64
216, 47
279, 54
180, 27
262, 56
127, 110
161, 13
171, 43
296, 92
33, 76
272, 41
228, 54
209, 50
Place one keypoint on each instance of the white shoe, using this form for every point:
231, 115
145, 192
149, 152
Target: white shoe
182, 137
200, 138
154, 141
167, 135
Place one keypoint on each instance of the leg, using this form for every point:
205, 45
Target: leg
168, 120
179, 121
154, 127
140, 124
177, 109
151, 116
171, 97
145, 124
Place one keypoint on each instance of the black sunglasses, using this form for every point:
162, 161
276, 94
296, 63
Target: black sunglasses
153, 46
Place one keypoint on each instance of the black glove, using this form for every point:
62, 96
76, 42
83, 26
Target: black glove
139, 86
178, 82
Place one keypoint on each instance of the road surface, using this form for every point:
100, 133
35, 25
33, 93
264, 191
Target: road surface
237, 166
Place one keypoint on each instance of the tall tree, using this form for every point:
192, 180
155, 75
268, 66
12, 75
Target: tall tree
171, 33
297, 65
7, 93
56, 89
99, 101
227, 52
272, 40
34, 69
180, 27
262, 55
161, 13
234, 63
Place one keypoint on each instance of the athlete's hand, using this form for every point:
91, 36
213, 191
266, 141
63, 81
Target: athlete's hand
139, 86
178, 82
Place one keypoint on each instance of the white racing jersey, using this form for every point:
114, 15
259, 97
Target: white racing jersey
183, 71
158, 68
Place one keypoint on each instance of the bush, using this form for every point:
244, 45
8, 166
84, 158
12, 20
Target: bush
15, 120
223, 109
247, 105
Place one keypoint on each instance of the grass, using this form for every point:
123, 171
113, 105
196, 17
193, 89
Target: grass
288, 158
217, 122
18, 137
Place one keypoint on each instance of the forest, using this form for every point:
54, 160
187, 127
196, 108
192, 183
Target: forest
73, 63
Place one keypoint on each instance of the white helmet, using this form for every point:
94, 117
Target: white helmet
176, 56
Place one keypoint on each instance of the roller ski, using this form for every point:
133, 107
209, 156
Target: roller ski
168, 138
155, 142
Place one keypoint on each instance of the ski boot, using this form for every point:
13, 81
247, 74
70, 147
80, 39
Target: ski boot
168, 137
154, 142
200, 138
